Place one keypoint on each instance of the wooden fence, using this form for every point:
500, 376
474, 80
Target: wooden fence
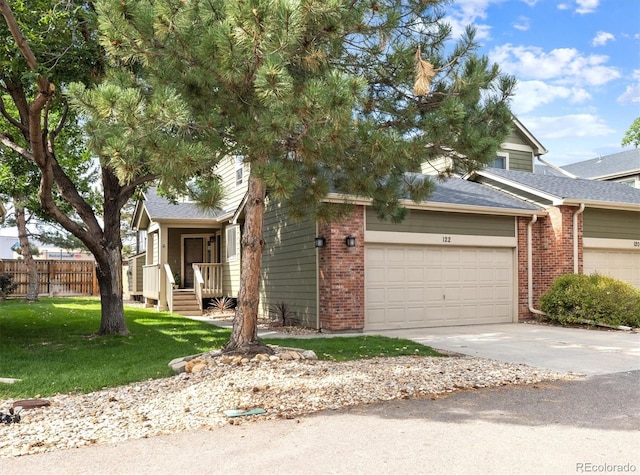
56, 277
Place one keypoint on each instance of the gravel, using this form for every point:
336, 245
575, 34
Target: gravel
284, 388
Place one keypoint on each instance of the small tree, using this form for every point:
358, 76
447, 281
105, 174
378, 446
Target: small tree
632, 135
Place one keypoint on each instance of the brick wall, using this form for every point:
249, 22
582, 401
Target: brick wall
552, 248
341, 275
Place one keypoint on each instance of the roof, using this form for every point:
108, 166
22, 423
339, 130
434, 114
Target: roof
161, 209
463, 192
538, 148
615, 165
564, 190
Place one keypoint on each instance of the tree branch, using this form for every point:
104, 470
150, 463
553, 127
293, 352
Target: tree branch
7, 142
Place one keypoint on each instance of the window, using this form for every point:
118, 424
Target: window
501, 161
239, 160
155, 251
142, 241
232, 243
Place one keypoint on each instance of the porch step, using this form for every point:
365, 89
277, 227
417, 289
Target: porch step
185, 302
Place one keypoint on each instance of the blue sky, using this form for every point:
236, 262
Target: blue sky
577, 63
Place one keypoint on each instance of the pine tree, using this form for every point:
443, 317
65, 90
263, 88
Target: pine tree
316, 95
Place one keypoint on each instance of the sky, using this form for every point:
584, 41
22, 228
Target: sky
577, 63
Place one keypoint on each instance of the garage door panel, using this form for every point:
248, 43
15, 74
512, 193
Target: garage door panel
620, 264
423, 286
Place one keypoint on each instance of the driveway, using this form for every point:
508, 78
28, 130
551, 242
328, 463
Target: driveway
576, 350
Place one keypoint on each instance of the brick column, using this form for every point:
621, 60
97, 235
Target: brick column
341, 269
552, 247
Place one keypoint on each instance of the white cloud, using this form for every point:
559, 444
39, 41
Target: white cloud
601, 38
563, 66
567, 126
531, 94
587, 6
531, 3
564, 6
470, 12
522, 24
631, 95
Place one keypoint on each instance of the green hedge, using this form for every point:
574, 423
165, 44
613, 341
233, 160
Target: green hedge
595, 298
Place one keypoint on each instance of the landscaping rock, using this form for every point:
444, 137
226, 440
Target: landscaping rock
283, 388
26, 404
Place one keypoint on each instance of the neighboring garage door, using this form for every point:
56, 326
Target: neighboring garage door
428, 286
620, 264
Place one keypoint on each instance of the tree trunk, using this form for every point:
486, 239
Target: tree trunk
109, 275
244, 337
25, 248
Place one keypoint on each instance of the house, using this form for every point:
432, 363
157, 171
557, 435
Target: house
623, 167
184, 254
481, 249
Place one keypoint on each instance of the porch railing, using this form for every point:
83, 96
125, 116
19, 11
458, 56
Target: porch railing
151, 281
170, 283
207, 281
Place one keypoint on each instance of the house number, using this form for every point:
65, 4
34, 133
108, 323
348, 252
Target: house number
636, 243
446, 238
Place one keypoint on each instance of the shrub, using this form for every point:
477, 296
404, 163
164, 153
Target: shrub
282, 314
593, 298
222, 304
6, 286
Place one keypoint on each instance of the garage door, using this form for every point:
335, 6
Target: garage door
428, 286
623, 265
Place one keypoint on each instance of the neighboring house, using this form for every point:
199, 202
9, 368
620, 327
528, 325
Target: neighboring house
186, 255
481, 249
622, 167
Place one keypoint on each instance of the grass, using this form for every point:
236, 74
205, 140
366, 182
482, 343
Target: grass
50, 347
355, 347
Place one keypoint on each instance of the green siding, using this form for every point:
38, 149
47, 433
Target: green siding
289, 264
520, 161
438, 222
611, 224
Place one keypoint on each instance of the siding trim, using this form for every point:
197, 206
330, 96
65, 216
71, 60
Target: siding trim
390, 237
604, 243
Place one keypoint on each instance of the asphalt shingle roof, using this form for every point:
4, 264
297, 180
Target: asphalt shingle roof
571, 188
464, 192
160, 208
615, 164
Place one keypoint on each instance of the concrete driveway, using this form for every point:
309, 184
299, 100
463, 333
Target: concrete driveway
580, 351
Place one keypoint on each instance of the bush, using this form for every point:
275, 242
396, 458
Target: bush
6, 286
593, 298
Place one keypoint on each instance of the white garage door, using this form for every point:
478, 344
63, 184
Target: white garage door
620, 264
428, 286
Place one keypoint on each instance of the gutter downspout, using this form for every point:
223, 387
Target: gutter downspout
530, 266
578, 212
556, 168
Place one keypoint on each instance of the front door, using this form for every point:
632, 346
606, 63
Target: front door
193, 253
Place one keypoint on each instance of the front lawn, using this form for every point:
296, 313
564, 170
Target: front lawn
50, 346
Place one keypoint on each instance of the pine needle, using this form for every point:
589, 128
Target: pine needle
424, 74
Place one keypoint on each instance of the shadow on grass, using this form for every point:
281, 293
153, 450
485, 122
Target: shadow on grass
48, 345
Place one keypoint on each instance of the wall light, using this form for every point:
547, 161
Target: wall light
319, 241
350, 241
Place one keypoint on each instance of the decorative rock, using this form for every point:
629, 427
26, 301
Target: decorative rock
286, 356
309, 355
188, 367
198, 367
31, 403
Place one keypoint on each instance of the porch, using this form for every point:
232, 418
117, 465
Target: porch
159, 284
